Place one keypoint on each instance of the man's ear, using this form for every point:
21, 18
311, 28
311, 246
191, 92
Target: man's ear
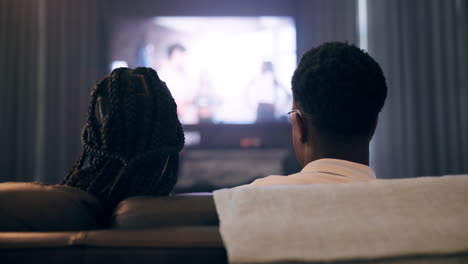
299, 128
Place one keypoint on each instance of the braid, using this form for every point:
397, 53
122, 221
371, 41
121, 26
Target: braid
133, 148
89, 128
163, 102
113, 123
131, 123
146, 130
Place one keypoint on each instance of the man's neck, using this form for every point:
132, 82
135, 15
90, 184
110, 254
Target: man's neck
356, 154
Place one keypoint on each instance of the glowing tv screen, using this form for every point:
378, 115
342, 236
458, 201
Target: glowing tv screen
231, 70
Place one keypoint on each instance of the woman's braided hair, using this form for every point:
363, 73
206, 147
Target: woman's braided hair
131, 139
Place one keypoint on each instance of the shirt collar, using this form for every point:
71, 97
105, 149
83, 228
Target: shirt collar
340, 167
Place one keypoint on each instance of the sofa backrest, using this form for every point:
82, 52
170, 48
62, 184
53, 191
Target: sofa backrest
29, 206
196, 209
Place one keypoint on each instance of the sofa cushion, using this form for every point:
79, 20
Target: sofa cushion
150, 212
28, 206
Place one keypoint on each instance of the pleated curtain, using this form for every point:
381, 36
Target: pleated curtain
422, 46
52, 52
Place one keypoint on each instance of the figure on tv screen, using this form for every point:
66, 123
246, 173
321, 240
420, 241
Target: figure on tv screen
206, 100
145, 53
265, 94
174, 73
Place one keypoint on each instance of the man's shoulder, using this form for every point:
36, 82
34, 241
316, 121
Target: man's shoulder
266, 179
274, 179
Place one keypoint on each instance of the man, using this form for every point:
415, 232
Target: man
175, 74
338, 92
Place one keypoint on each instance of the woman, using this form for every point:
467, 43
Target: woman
131, 139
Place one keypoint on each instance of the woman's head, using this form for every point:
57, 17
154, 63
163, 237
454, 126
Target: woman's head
131, 139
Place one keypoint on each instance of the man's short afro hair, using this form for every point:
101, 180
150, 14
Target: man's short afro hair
340, 87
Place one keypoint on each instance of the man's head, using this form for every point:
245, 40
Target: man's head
338, 90
176, 53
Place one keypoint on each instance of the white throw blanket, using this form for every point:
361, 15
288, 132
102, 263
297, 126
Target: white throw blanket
325, 222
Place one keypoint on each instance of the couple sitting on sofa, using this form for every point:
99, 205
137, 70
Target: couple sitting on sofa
133, 136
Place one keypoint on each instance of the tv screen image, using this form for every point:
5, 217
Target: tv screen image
220, 70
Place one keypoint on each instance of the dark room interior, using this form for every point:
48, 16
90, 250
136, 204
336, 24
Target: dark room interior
54, 52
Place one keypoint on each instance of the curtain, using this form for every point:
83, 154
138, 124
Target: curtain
52, 53
422, 48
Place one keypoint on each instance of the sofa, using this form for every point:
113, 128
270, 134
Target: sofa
58, 224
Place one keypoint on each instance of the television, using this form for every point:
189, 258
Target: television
220, 70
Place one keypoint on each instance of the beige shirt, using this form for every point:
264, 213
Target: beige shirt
322, 171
